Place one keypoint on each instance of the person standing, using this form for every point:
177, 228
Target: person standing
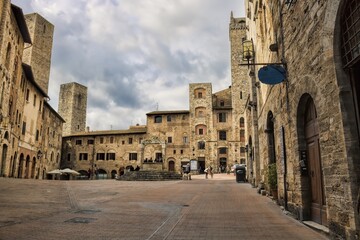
211, 171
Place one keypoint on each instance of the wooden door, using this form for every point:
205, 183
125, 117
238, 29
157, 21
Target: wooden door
318, 203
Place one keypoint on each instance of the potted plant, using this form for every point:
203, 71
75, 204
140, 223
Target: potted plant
272, 179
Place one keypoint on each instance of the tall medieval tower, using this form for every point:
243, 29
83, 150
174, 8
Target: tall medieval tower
38, 55
239, 82
72, 107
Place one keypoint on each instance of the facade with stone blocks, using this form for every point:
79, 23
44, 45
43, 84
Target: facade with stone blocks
72, 107
308, 125
26, 119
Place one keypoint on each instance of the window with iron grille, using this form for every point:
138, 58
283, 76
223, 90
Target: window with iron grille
132, 156
350, 27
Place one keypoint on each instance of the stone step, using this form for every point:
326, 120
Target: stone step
150, 176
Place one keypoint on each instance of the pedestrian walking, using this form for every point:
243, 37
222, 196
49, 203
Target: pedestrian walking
211, 171
206, 171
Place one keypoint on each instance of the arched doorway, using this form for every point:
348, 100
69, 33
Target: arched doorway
171, 166
13, 168
3, 159
20, 167
271, 138
316, 188
27, 167
33, 165
113, 174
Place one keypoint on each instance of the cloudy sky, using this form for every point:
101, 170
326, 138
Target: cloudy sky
136, 56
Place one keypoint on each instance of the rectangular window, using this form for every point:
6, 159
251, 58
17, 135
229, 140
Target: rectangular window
222, 150
34, 100
201, 131
37, 135
132, 156
201, 145
140, 139
168, 118
78, 142
185, 140
110, 156
181, 151
158, 119
68, 157
169, 139
174, 152
158, 157
90, 141
111, 139
100, 156
130, 141
40, 105
101, 140
222, 117
200, 95
27, 94
83, 156
122, 142
23, 128
222, 135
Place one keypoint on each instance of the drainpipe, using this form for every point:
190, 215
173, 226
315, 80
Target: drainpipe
287, 99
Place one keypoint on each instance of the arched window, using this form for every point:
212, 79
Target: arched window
200, 111
200, 129
242, 122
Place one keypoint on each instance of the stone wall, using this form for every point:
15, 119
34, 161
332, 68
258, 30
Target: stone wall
304, 33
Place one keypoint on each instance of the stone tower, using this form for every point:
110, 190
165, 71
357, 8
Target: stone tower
72, 107
239, 74
38, 55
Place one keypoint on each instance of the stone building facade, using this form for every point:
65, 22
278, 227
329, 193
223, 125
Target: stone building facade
212, 132
308, 125
25, 116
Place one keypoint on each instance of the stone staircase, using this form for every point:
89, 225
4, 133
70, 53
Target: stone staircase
149, 176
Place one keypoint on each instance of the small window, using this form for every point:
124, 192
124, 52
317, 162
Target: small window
242, 161
100, 156
201, 145
90, 141
241, 96
158, 119
130, 141
169, 139
201, 131
168, 118
242, 122
78, 142
200, 95
222, 117
34, 100
68, 157
181, 151
123, 142
111, 139
23, 128
140, 139
222, 150
185, 140
158, 157
110, 156
174, 152
222, 135
101, 140
27, 94
222, 103
83, 156
132, 156
37, 135
242, 149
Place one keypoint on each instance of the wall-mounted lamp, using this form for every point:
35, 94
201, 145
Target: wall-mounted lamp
248, 51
